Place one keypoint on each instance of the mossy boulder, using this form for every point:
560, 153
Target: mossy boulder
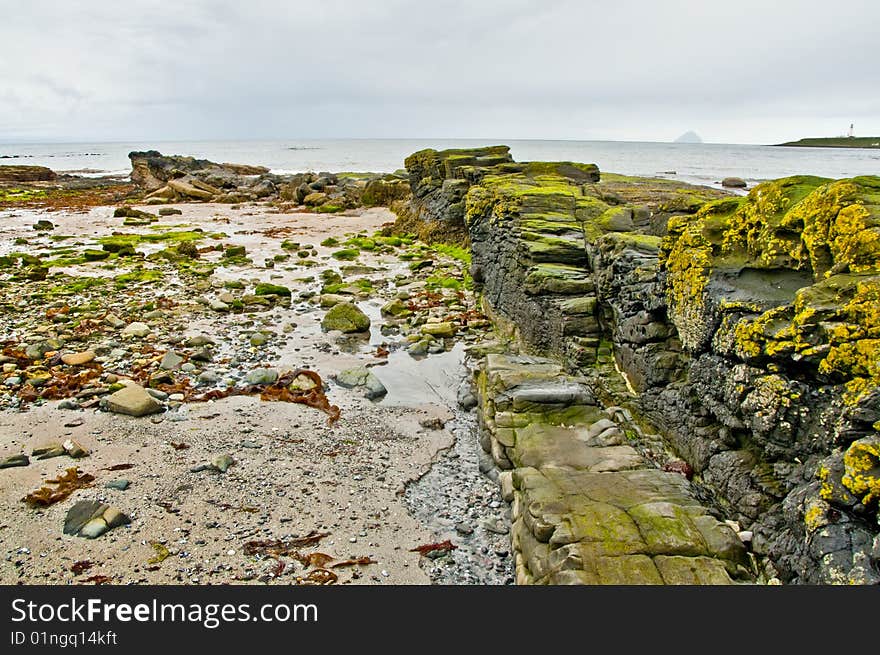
396, 308
128, 212
315, 199
345, 317
347, 254
95, 255
266, 289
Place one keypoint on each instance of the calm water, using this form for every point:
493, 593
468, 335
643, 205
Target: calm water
698, 163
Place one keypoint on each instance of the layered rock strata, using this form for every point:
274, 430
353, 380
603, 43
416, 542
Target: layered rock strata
745, 328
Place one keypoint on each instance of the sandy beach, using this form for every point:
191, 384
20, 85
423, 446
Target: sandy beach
293, 475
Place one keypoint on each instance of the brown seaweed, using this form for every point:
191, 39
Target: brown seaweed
66, 484
279, 547
424, 549
278, 391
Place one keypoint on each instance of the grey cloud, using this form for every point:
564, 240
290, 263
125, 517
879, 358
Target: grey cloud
749, 71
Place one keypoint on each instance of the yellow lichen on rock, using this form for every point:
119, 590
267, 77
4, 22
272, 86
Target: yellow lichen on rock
862, 469
826, 491
816, 514
828, 229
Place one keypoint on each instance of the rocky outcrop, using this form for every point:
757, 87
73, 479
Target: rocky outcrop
26, 174
744, 328
152, 170
440, 180
176, 179
775, 297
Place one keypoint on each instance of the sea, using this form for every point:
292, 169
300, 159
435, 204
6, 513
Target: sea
697, 163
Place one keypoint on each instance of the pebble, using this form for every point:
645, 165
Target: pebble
222, 462
75, 449
78, 359
262, 376
198, 341
170, 361
14, 460
137, 329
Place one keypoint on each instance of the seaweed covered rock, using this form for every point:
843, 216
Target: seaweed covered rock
345, 317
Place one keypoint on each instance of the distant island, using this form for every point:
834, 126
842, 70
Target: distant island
689, 137
836, 142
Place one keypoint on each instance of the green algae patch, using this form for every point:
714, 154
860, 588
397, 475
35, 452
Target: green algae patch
266, 289
361, 243
139, 275
329, 209
131, 239
453, 251
77, 285
63, 260
557, 279
346, 254
13, 195
435, 282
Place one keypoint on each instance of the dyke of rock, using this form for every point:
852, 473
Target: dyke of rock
746, 328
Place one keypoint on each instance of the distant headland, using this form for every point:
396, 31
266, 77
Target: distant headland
836, 142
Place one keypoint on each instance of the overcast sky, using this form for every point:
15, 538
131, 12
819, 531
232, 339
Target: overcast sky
744, 71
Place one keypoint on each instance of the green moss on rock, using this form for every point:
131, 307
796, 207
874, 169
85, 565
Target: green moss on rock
266, 289
345, 317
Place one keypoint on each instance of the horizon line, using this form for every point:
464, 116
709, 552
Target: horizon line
493, 140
